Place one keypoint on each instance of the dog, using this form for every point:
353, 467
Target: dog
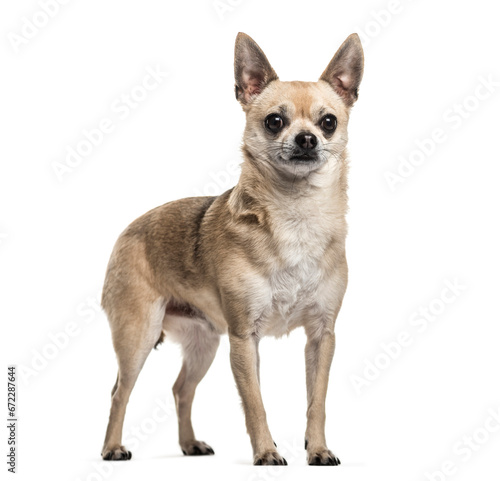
262, 259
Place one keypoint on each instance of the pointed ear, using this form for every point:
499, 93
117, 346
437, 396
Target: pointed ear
345, 71
252, 70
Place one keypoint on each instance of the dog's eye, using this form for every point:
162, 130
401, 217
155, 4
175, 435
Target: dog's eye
274, 123
329, 123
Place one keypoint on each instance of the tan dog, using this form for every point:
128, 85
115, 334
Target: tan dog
261, 259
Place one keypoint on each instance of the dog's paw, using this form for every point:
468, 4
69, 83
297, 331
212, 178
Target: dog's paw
323, 457
196, 448
269, 458
116, 454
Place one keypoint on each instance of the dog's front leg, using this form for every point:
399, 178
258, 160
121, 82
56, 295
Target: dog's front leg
319, 353
244, 363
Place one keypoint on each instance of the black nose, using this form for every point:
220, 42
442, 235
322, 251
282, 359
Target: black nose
306, 140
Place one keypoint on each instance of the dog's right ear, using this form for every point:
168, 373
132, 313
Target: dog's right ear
252, 70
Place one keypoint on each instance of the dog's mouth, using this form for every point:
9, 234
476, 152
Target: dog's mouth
298, 165
303, 158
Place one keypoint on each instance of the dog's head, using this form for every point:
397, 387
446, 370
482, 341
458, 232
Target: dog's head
296, 127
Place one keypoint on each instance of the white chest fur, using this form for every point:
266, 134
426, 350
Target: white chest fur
302, 235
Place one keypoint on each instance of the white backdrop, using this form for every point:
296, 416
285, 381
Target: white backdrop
414, 391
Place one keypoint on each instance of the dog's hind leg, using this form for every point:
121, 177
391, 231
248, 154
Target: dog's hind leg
136, 326
199, 343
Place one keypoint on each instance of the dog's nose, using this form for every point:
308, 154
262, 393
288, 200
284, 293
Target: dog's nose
306, 140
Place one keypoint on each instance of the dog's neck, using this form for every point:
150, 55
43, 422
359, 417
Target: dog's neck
264, 192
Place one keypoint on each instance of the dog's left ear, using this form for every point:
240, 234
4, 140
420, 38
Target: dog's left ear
345, 71
252, 70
